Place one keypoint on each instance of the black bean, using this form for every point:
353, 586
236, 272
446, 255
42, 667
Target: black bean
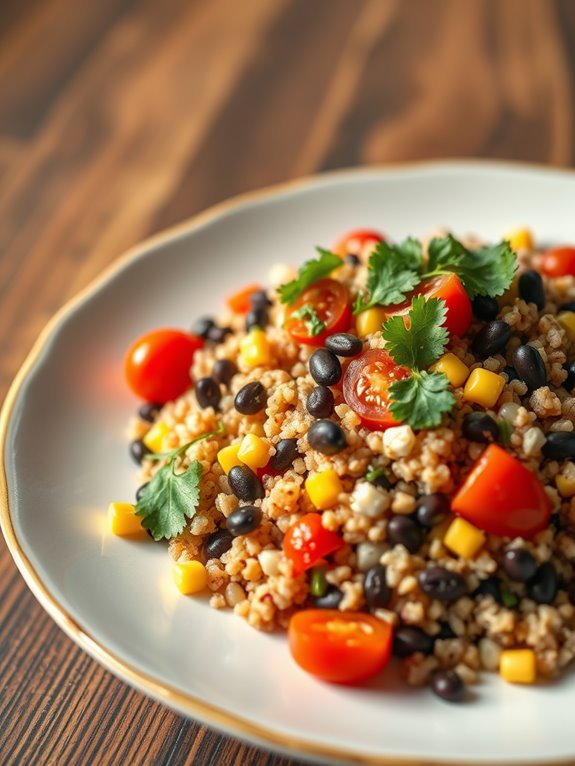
257, 317
402, 530
571, 591
344, 344
485, 308
331, 599
320, 402
260, 298
511, 374
223, 371
559, 445
544, 586
376, 591
202, 326
218, 334
432, 509
445, 632
324, 367
352, 259
251, 398
217, 544
530, 367
569, 367
245, 484
489, 587
519, 565
555, 522
138, 450
286, 453
442, 584
140, 491
379, 479
327, 437
480, 427
408, 640
149, 411
566, 307
492, 338
208, 393
447, 685
244, 520
531, 288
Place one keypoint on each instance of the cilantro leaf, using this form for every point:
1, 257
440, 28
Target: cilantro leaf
392, 271
421, 399
421, 341
311, 271
314, 324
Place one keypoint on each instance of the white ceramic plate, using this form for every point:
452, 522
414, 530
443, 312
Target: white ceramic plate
65, 457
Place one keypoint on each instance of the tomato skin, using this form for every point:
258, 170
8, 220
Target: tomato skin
332, 302
502, 497
307, 541
157, 365
359, 237
372, 406
240, 301
558, 262
321, 645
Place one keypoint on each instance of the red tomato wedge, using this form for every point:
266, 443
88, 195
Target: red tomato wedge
331, 301
355, 240
502, 497
157, 365
340, 647
307, 541
365, 387
558, 262
240, 302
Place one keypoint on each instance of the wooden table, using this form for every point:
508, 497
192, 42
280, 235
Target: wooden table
121, 117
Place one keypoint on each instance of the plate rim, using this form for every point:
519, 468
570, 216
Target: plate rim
186, 703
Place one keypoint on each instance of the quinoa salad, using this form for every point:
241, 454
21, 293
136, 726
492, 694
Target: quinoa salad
375, 453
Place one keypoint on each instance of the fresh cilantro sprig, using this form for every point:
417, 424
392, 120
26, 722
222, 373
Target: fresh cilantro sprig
420, 399
311, 271
170, 498
313, 323
392, 271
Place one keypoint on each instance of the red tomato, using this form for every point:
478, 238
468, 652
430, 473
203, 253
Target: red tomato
449, 288
502, 497
365, 387
558, 262
307, 541
330, 299
240, 302
157, 365
341, 647
354, 241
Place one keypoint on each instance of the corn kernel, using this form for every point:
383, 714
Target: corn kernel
520, 239
323, 488
123, 521
255, 348
154, 439
567, 321
565, 485
453, 368
483, 387
518, 666
190, 577
370, 321
228, 457
254, 451
463, 538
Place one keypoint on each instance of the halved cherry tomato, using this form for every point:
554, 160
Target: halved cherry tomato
558, 262
354, 241
449, 288
365, 387
240, 302
157, 365
502, 497
341, 647
307, 541
330, 300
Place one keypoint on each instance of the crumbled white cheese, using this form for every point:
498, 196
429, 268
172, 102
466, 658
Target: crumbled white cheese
369, 500
269, 562
533, 440
369, 554
398, 442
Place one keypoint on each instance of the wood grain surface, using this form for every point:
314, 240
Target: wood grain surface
121, 117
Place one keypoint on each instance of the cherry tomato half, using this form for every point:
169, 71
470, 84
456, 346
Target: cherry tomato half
330, 300
502, 497
157, 365
558, 262
341, 647
365, 387
354, 241
307, 541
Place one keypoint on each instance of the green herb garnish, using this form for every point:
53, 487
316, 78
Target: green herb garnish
393, 270
311, 271
317, 582
509, 599
374, 473
313, 323
505, 431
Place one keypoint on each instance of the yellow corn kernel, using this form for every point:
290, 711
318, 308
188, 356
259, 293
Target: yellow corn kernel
228, 457
154, 439
565, 485
123, 521
567, 321
463, 538
254, 451
520, 239
483, 387
518, 666
370, 321
255, 348
190, 577
323, 488
453, 368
